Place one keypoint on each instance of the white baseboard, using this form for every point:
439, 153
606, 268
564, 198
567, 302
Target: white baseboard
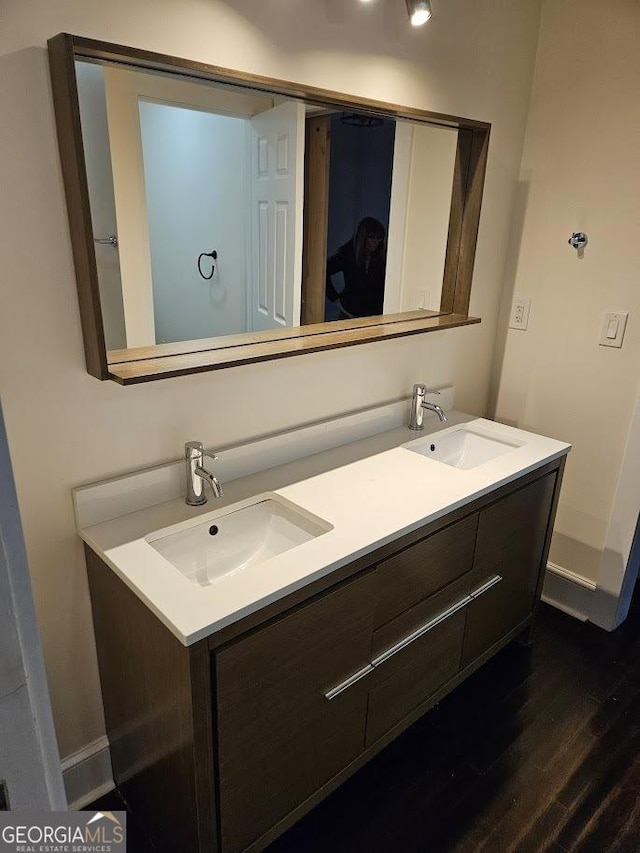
568, 592
87, 774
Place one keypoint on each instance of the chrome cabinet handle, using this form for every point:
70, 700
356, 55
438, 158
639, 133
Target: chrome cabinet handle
435, 621
344, 685
421, 631
412, 637
485, 587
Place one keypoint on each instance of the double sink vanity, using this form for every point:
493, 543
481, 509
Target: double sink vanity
255, 652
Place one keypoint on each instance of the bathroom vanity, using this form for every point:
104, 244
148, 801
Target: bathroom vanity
230, 719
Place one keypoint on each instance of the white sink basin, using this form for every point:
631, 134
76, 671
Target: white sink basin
234, 538
462, 448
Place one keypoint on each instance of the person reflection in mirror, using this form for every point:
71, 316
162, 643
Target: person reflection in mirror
362, 262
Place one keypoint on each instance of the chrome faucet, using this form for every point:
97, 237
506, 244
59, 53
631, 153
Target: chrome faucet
197, 474
418, 404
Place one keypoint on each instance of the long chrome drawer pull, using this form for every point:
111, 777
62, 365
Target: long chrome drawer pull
344, 685
420, 632
485, 586
412, 637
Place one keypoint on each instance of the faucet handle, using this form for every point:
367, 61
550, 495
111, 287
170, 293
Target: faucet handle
420, 391
194, 449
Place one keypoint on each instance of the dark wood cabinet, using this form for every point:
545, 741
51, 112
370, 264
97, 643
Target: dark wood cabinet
282, 706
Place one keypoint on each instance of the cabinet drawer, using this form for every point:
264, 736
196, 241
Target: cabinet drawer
386, 636
418, 652
422, 569
406, 680
406, 675
279, 736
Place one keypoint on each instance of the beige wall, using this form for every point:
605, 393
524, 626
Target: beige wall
580, 172
65, 428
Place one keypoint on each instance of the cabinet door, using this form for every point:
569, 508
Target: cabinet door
510, 544
280, 736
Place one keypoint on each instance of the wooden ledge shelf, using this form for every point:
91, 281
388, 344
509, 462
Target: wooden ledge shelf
164, 365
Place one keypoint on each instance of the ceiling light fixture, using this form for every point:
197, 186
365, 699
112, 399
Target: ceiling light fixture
419, 11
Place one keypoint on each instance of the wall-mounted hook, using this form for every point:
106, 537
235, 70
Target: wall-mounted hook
579, 240
214, 256
111, 240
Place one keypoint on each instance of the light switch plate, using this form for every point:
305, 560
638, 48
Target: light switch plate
613, 328
520, 313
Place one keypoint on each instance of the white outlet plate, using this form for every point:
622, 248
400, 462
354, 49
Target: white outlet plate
613, 328
520, 309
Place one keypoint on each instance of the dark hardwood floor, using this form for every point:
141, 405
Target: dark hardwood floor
538, 752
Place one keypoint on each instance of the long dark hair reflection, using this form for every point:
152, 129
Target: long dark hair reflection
369, 227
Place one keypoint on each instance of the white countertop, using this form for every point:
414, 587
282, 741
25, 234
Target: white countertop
369, 502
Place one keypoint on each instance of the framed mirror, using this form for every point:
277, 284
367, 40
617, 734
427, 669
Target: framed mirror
219, 218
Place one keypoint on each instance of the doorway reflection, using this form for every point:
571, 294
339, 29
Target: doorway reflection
360, 179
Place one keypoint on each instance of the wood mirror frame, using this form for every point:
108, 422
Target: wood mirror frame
144, 364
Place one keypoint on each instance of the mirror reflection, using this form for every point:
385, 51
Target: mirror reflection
198, 194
